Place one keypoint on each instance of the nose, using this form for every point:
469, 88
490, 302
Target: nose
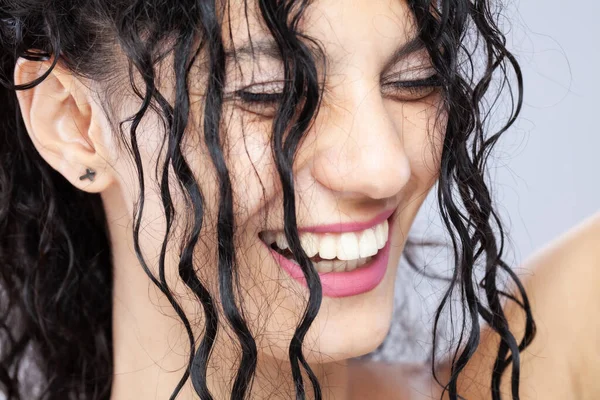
358, 147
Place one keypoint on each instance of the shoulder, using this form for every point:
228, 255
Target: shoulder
564, 287
562, 282
563, 278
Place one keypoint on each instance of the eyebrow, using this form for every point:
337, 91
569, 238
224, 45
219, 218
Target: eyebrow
412, 46
263, 47
268, 47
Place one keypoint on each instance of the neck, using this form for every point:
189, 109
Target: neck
151, 347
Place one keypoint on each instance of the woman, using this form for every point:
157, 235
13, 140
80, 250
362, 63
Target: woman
208, 199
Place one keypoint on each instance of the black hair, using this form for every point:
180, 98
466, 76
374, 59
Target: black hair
55, 255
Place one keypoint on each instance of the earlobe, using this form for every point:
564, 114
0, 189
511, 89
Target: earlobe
59, 114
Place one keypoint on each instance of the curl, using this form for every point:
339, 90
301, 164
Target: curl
56, 275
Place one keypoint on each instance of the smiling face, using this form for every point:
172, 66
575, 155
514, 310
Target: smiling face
361, 173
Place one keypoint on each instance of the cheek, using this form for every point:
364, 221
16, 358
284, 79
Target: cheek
252, 170
422, 126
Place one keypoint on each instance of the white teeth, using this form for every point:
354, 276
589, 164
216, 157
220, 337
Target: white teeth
281, 241
327, 266
351, 264
368, 243
338, 252
269, 237
324, 266
310, 244
339, 266
347, 248
328, 247
380, 236
386, 231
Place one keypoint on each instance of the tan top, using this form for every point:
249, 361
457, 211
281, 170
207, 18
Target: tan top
563, 362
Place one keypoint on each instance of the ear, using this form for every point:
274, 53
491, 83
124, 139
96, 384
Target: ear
65, 124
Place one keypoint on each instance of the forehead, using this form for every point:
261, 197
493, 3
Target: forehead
348, 31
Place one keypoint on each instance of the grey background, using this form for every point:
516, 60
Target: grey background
544, 170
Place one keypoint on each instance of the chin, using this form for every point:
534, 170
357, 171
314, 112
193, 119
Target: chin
350, 323
340, 340
345, 327
352, 327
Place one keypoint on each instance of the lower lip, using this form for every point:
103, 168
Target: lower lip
343, 284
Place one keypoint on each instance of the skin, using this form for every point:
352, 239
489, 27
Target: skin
362, 131
562, 361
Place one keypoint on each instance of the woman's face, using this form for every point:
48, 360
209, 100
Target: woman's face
361, 173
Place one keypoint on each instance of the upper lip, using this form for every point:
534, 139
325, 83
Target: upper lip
352, 226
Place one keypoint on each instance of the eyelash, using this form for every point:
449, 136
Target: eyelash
258, 98
412, 90
416, 89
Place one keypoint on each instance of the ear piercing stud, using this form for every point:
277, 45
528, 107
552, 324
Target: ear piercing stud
89, 174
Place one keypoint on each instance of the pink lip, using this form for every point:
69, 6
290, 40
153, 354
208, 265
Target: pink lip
350, 226
344, 284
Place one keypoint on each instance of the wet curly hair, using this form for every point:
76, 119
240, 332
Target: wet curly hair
56, 276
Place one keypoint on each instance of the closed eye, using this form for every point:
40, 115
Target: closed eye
261, 99
258, 98
264, 98
411, 90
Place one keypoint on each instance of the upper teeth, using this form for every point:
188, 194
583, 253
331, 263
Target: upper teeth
344, 246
